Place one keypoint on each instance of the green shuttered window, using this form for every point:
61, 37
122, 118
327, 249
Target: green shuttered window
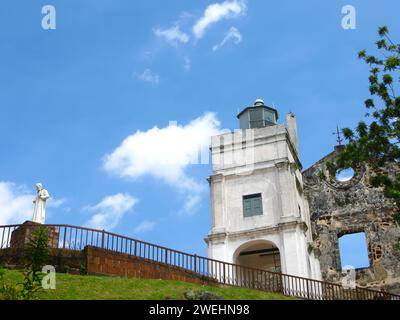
252, 205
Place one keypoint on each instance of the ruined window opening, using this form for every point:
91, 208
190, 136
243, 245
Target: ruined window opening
353, 250
344, 174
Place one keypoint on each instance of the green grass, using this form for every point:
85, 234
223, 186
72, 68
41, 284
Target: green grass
77, 287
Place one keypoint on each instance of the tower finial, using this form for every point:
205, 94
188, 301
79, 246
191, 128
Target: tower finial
339, 139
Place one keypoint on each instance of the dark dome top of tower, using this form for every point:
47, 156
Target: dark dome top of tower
257, 116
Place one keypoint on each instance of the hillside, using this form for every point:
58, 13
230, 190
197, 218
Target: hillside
78, 287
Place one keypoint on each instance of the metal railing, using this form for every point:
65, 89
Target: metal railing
77, 238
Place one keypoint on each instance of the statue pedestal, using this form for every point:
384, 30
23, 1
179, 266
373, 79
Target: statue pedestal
22, 235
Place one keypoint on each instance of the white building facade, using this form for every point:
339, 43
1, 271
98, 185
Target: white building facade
260, 217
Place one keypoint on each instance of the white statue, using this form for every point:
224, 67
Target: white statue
39, 214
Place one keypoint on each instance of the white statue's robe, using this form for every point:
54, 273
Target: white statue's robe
39, 213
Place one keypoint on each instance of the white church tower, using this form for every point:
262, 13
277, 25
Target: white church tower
260, 217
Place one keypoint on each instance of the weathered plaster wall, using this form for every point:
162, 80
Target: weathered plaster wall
339, 208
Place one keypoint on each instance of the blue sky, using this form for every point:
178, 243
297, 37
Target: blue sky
69, 97
349, 256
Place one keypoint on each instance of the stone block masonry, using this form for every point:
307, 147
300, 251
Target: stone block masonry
338, 208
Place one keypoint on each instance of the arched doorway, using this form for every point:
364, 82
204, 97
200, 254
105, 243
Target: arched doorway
259, 254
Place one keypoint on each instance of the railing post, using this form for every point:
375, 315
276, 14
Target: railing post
195, 263
8, 237
76, 237
102, 239
65, 237
223, 265
2, 237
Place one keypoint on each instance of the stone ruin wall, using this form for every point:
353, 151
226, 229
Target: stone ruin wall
339, 208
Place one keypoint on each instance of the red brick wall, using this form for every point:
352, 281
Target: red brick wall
98, 261
105, 262
23, 234
63, 260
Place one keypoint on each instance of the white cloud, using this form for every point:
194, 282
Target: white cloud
172, 35
187, 65
148, 76
165, 153
16, 204
55, 203
192, 204
216, 12
145, 226
109, 211
232, 34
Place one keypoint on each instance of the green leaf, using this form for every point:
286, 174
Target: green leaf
348, 133
369, 103
387, 79
362, 54
382, 31
381, 44
392, 63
